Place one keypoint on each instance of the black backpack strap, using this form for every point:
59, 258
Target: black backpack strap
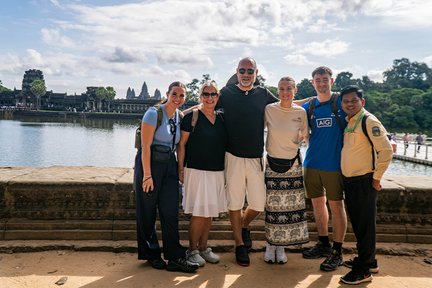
370, 141
310, 111
335, 110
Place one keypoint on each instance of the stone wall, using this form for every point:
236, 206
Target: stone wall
62, 195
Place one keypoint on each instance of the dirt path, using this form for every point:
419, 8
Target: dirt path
104, 269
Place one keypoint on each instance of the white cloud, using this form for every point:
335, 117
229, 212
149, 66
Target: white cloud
123, 55
428, 61
298, 59
410, 14
326, 48
54, 38
375, 75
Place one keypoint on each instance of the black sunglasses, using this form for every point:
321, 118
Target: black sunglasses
173, 126
207, 94
249, 71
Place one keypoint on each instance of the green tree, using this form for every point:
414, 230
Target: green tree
2, 88
101, 95
38, 89
194, 86
192, 90
305, 89
111, 93
343, 79
406, 74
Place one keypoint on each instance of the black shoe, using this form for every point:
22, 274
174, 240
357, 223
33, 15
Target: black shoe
354, 278
242, 256
247, 240
317, 251
333, 261
181, 265
373, 268
158, 263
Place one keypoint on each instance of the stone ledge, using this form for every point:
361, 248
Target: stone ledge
40, 201
20, 246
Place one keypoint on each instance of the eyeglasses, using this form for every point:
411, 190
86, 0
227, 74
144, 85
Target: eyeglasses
173, 126
249, 71
207, 94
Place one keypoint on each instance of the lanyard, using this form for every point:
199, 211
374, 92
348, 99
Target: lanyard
350, 130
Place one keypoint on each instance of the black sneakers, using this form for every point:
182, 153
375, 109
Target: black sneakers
354, 278
332, 262
158, 263
317, 251
181, 265
247, 240
242, 257
373, 268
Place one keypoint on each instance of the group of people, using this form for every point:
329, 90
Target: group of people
217, 152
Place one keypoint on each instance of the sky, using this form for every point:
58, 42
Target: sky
79, 43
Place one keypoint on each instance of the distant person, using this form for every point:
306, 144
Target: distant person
392, 138
322, 173
157, 186
285, 210
201, 159
406, 139
364, 161
244, 104
420, 140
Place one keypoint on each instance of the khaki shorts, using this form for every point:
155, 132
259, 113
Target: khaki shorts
245, 178
320, 182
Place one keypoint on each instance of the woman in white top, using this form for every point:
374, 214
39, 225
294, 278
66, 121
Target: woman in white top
285, 221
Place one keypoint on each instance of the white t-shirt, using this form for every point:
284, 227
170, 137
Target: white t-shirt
286, 128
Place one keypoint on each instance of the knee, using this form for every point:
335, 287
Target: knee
337, 207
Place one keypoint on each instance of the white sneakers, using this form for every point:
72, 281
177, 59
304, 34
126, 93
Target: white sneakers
275, 254
209, 256
281, 257
270, 254
196, 257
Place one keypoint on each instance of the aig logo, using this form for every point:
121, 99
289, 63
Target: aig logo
324, 122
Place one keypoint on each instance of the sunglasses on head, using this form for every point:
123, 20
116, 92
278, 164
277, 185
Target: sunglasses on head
207, 94
173, 126
249, 71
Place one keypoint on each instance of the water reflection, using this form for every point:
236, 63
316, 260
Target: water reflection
41, 142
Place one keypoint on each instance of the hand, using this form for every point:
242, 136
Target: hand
147, 184
376, 185
181, 176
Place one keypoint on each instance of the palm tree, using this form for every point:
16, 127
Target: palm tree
38, 88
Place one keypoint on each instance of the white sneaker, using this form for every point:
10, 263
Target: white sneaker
281, 257
194, 258
209, 256
269, 256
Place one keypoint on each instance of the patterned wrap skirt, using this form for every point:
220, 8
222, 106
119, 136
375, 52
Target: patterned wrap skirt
285, 212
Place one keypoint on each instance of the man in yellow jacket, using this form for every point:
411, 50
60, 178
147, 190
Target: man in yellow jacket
366, 155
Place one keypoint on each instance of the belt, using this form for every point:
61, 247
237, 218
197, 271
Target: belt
358, 178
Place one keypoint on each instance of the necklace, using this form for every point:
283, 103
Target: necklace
246, 92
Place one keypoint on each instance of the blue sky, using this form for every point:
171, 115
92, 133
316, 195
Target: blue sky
124, 43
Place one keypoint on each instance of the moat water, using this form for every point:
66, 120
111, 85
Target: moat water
93, 142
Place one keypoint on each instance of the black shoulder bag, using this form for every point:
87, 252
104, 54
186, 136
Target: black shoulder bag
282, 165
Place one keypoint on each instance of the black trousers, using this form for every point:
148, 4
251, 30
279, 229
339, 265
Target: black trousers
361, 203
165, 199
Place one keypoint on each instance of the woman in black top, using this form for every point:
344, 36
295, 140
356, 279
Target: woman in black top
201, 154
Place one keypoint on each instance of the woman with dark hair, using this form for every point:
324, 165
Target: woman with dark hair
157, 186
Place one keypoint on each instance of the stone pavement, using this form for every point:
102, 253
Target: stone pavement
401, 265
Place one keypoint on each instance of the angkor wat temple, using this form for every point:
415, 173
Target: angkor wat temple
86, 101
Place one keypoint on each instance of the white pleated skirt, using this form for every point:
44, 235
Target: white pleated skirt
204, 193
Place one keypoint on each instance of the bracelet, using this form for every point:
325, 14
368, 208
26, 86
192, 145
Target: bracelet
147, 178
